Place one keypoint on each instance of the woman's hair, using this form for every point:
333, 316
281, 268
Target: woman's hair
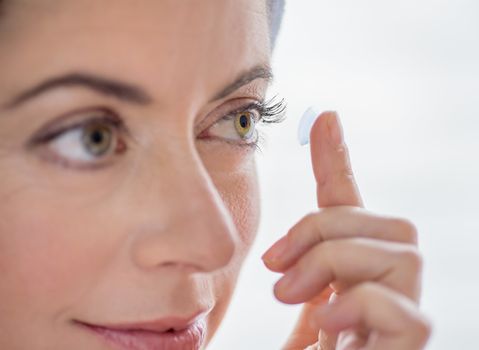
275, 16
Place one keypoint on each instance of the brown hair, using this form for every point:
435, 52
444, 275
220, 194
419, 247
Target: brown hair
275, 10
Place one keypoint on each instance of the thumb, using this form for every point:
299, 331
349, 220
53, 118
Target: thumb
335, 182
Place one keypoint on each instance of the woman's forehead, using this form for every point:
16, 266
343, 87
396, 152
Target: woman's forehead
190, 18
159, 43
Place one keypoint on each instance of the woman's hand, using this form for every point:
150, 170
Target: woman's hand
357, 273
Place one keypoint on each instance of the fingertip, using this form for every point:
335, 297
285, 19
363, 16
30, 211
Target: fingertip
287, 292
319, 136
319, 126
274, 265
336, 134
281, 293
331, 163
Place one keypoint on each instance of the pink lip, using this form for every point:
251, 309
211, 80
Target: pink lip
167, 333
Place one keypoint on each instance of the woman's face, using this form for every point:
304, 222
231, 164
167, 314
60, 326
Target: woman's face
128, 190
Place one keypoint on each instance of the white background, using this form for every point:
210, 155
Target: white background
404, 77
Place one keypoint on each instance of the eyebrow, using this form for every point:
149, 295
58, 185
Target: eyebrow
124, 91
257, 72
108, 87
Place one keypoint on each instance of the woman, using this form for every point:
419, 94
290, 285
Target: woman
128, 192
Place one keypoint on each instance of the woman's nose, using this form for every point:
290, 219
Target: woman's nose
184, 222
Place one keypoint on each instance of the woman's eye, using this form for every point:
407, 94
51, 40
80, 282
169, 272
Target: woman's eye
87, 144
240, 126
244, 124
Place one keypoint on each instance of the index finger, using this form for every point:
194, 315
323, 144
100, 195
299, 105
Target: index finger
331, 164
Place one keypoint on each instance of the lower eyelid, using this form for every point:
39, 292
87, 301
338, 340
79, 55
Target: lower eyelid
240, 146
66, 164
46, 151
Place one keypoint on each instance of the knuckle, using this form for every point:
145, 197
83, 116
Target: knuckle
295, 233
424, 327
346, 174
313, 222
326, 250
343, 150
365, 290
407, 228
413, 258
292, 233
343, 153
311, 217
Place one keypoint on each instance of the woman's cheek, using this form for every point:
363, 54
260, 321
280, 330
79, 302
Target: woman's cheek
236, 182
241, 196
234, 175
42, 253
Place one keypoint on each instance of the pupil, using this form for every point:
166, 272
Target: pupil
244, 121
97, 137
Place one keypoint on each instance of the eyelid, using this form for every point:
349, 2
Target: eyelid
226, 110
252, 105
44, 142
84, 115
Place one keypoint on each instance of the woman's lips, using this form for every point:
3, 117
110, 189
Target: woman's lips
171, 333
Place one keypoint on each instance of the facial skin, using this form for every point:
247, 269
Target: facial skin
161, 226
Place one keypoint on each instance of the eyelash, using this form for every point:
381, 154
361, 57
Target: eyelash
271, 113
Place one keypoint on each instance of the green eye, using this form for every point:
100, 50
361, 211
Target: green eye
244, 124
97, 139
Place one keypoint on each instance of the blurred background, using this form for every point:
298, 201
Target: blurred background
404, 78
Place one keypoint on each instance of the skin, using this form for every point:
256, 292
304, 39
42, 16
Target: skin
162, 227
356, 272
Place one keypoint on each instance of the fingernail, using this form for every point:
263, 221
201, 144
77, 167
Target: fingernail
305, 124
335, 129
276, 250
290, 284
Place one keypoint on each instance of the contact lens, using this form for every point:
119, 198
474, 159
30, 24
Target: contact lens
306, 123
